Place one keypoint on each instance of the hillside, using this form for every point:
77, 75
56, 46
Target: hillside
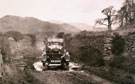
33, 25
83, 26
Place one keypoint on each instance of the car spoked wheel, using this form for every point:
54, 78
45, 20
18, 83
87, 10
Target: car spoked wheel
46, 65
65, 66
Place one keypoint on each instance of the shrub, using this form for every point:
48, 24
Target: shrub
118, 44
16, 35
15, 76
117, 61
91, 56
115, 75
5, 49
31, 79
60, 35
125, 63
128, 64
30, 56
33, 37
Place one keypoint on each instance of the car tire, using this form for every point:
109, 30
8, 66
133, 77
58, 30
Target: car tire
46, 65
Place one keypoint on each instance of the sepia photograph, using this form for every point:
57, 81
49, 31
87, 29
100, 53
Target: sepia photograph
67, 41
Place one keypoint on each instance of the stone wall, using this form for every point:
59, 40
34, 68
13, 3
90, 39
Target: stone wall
19, 46
97, 41
1, 59
107, 53
20, 49
15, 52
102, 42
129, 44
86, 45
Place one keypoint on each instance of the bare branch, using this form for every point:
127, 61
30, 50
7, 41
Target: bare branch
100, 22
107, 10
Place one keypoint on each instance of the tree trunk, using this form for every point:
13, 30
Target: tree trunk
109, 23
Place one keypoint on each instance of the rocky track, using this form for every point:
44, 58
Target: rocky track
67, 77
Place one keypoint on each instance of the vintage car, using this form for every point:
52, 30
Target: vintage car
55, 55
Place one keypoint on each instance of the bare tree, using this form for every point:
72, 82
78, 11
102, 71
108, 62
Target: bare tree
108, 20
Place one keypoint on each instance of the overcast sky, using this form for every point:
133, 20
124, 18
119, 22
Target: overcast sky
84, 11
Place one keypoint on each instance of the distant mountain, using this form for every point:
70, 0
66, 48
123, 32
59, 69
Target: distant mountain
100, 29
69, 27
83, 26
56, 22
66, 26
33, 25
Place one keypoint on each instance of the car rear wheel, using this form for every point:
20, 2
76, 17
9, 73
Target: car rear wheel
65, 65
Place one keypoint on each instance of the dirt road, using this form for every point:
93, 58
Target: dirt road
67, 77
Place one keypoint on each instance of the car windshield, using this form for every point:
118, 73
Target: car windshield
55, 45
